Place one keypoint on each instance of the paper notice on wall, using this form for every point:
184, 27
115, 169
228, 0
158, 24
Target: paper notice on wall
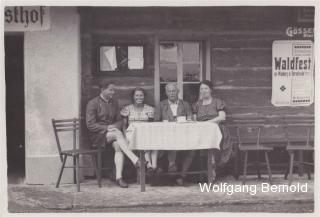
135, 57
110, 58
292, 73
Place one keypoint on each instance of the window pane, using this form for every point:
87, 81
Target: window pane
135, 57
168, 62
168, 53
191, 72
190, 93
122, 56
163, 95
168, 72
191, 52
108, 58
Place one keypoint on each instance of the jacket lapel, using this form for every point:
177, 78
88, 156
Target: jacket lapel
180, 108
168, 111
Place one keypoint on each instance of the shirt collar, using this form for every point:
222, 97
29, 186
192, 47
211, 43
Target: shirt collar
173, 103
104, 99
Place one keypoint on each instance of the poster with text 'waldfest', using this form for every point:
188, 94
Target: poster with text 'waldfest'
292, 73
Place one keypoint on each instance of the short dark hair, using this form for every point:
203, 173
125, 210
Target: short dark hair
208, 83
104, 84
138, 89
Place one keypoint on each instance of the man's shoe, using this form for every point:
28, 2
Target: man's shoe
112, 175
172, 168
121, 183
137, 164
150, 171
180, 181
158, 171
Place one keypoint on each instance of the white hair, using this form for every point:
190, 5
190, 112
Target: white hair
175, 85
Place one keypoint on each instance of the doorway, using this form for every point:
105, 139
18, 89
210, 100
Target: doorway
15, 116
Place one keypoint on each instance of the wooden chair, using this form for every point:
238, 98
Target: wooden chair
72, 126
295, 144
252, 143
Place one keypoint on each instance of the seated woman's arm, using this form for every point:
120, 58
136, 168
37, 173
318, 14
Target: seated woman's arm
125, 124
221, 117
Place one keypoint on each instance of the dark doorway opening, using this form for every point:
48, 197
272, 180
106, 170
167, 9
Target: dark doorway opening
15, 116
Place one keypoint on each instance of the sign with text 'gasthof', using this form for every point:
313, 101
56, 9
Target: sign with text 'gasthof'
292, 73
26, 18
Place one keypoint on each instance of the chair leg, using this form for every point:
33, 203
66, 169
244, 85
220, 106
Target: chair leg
210, 166
142, 172
286, 173
236, 163
78, 172
61, 170
96, 170
268, 167
258, 164
300, 167
74, 170
308, 172
139, 171
291, 166
245, 167
99, 167
138, 177
309, 167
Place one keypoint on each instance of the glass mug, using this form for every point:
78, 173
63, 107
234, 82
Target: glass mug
150, 116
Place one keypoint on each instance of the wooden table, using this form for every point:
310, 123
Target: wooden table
175, 136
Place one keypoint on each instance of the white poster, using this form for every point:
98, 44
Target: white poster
292, 73
135, 57
110, 58
26, 18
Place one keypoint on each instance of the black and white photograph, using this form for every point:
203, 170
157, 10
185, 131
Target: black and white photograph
182, 107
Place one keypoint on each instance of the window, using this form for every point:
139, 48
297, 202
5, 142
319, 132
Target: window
181, 62
121, 58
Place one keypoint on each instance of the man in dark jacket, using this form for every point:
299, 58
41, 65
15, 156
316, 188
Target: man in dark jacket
169, 109
104, 123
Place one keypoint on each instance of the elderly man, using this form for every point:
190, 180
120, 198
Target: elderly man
169, 109
104, 123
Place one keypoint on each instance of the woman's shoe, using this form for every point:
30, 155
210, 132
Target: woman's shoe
121, 183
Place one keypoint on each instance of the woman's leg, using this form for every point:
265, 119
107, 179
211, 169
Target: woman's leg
147, 155
187, 162
118, 160
154, 159
123, 144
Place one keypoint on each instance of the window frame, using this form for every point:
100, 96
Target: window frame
180, 63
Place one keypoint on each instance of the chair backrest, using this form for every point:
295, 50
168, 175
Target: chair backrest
247, 129
294, 127
66, 125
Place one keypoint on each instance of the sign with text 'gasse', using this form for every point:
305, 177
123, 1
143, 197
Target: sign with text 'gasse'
26, 18
292, 73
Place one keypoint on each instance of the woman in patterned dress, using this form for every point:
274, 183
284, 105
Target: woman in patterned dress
211, 109
140, 112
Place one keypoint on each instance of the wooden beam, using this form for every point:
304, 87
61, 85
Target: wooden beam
208, 59
156, 70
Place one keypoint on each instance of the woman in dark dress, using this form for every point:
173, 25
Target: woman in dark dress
211, 109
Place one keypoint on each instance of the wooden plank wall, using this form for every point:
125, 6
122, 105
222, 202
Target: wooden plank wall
242, 74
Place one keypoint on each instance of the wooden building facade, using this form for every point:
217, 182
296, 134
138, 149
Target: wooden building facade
231, 46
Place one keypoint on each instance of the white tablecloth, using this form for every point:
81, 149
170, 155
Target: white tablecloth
174, 136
